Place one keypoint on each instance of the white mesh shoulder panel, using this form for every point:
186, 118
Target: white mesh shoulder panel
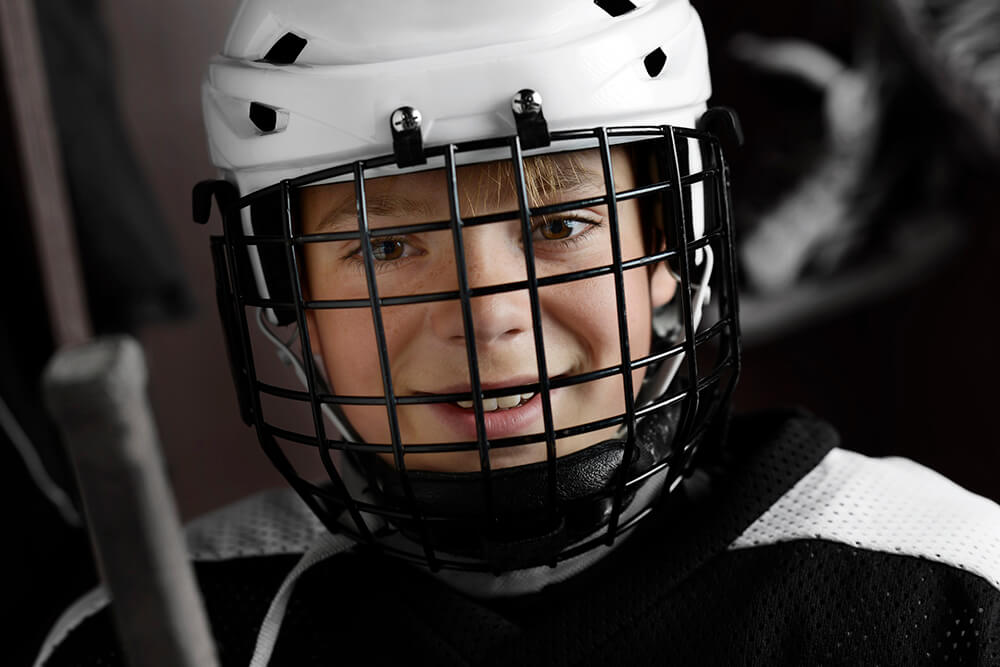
265, 524
890, 505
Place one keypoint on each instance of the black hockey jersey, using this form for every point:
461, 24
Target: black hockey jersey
795, 552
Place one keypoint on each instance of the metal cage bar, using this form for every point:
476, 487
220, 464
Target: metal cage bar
729, 298
524, 207
623, 334
470, 221
469, 331
383, 359
555, 383
680, 220
310, 365
429, 448
486, 290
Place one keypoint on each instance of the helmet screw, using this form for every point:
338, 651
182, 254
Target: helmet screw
532, 129
404, 119
526, 101
407, 141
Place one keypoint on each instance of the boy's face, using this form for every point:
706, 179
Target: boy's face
426, 341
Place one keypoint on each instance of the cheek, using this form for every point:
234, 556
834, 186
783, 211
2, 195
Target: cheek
351, 361
588, 312
350, 348
640, 321
350, 356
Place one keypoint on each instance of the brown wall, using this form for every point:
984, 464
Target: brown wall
161, 49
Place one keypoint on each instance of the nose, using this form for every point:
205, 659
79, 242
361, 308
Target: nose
496, 318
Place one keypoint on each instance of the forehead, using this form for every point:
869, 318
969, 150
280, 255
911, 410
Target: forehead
482, 187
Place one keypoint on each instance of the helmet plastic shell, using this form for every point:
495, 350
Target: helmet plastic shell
459, 64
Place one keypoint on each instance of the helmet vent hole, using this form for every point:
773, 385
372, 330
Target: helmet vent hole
654, 62
615, 7
285, 50
263, 117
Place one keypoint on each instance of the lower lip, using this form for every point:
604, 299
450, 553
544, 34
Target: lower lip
500, 423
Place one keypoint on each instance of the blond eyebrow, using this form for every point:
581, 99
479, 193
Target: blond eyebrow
546, 177
345, 215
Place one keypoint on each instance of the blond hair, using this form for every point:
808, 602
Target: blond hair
545, 176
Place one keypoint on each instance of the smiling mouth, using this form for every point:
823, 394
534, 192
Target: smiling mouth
498, 403
518, 412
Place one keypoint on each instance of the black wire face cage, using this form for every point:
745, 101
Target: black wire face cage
494, 518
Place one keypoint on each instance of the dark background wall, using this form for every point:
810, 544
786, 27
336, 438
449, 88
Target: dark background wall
161, 53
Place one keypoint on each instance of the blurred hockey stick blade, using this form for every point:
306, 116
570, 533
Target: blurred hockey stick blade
96, 392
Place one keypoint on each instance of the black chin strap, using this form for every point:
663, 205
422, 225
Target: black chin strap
527, 531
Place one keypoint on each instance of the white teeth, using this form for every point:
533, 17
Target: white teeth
508, 401
503, 402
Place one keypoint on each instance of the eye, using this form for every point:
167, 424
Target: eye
385, 250
560, 229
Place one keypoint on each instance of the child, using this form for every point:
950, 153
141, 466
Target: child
493, 243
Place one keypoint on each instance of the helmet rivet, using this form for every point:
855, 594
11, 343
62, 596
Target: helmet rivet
526, 101
404, 119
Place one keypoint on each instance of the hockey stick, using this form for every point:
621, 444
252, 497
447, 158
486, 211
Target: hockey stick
96, 391
97, 394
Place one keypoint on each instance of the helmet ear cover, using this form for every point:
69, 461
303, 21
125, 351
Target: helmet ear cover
235, 346
661, 231
266, 220
262, 266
